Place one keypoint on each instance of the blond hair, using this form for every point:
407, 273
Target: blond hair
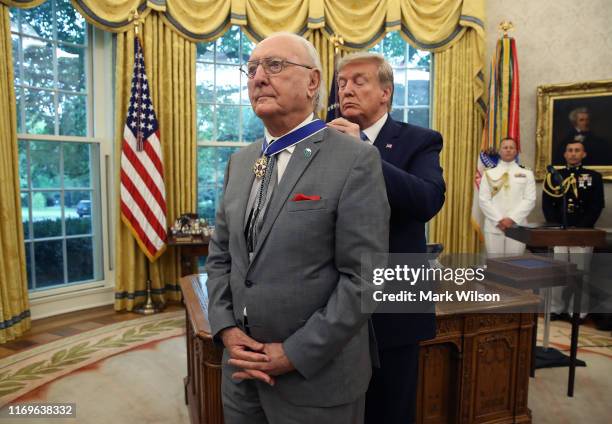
385, 71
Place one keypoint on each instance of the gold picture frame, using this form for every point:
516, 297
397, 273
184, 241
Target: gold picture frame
553, 126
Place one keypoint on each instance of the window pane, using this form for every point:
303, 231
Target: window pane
23, 164
419, 117
38, 21
398, 114
206, 51
247, 48
205, 82
37, 63
25, 214
206, 122
228, 84
70, 23
244, 91
394, 49
14, 17
45, 164
71, 68
377, 48
77, 165
418, 90
228, 46
49, 259
212, 162
79, 252
19, 104
16, 58
28, 255
399, 87
252, 127
78, 212
39, 112
72, 114
228, 118
46, 214
419, 58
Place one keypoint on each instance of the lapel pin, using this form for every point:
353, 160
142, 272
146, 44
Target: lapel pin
389, 146
307, 152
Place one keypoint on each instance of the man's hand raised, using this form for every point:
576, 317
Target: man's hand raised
345, 126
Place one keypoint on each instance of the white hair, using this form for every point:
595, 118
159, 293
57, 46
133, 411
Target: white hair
573, 115
315, 62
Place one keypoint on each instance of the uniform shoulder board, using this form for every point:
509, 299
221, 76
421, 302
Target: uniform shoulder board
525, 167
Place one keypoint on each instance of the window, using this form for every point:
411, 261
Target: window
59, 158
224, 115
411, 72
226, 120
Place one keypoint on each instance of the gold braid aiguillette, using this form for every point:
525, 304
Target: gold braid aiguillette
496, 185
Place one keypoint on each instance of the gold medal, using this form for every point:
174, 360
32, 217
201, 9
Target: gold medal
259, 167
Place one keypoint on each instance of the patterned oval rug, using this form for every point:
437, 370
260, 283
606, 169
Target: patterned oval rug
25, 371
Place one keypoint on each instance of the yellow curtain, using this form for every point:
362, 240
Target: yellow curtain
14, 305
458, 117
451, 28
170, 67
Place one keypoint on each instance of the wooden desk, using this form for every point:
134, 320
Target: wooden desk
546, 237
476, 370
190, 252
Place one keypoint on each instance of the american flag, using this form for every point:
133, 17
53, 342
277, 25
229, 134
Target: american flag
143, 194
502, 117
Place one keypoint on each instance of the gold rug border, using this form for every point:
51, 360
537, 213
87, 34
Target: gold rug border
130, 339
20, 356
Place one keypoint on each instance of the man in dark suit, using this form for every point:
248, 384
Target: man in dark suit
584, 193
415, 189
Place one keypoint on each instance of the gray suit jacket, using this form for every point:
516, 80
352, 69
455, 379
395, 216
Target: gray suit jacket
305, 283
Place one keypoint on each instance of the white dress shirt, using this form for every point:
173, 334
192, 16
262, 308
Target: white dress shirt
373, 131
282, 158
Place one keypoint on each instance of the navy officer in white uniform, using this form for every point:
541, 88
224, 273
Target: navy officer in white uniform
507, 195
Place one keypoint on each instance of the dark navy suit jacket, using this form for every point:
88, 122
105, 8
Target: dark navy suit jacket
415, 188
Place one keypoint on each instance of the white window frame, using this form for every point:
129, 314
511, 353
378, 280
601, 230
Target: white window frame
100, 72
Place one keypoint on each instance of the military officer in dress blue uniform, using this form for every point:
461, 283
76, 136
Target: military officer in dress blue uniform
585, 200
507, 195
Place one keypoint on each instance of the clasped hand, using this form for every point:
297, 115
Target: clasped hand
505, 223
261, 361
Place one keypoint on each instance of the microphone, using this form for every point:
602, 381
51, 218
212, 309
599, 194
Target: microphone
555, 175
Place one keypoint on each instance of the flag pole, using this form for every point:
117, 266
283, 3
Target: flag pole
149, 307
333, 107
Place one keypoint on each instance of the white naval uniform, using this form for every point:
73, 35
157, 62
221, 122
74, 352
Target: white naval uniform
515, 200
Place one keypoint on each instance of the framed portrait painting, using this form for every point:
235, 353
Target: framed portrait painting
576, 112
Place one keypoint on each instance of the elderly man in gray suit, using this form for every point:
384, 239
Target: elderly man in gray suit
286, 281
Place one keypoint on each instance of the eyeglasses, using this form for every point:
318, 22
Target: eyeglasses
271, 65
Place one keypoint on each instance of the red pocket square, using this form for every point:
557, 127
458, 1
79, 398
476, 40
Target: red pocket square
299, 197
